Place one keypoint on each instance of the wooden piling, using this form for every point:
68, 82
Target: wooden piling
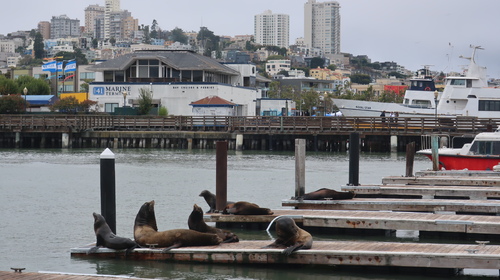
108, 200
410, 156
221, 175
354, 159
300, 167
435, 154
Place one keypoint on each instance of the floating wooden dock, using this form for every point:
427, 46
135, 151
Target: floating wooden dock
449, 202
326, 253
425, 192
491, 207
379, 220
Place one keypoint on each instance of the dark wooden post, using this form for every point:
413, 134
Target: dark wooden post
410, 156
354, 159
108, 200
221, 175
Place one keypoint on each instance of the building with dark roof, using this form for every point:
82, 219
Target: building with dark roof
175, 78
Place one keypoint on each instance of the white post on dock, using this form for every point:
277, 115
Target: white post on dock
239, 142
65, 140
435, 154
394, 143
300, 167
108, 200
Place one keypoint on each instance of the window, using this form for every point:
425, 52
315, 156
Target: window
489, 105
457, 82
110, 107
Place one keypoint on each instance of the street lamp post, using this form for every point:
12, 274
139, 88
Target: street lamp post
25, 91
435, 105
124, 98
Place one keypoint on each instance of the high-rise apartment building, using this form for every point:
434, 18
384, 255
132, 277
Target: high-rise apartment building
111, 6
272, 29
44, 29
322, 26
94, 14
63, 27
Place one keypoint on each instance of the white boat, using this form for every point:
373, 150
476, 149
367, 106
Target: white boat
467, 95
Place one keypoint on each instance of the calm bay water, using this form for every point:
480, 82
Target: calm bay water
48, 197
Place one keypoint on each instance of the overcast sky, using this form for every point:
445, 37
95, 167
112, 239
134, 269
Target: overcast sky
411, 33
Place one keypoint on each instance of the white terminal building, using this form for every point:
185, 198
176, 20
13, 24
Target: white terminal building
177, 80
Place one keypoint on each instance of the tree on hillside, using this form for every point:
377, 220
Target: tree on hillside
209, 41
362, 79
178, 35
317, 62
38, 50
154, 29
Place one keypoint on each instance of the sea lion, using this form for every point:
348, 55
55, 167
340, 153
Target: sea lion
106, 237
246, 208
325, 193
196, 222
146, 232
290, 236
211, 200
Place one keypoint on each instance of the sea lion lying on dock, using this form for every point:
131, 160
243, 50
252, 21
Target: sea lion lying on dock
325, 193
146, 232
106, 238
211, 200
290, 236
196, 222
246, 208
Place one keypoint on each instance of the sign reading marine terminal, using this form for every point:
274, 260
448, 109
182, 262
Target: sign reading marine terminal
116, 90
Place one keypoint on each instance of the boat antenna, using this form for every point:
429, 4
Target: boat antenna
450, 55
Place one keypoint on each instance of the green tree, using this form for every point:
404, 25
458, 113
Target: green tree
7, 86
38, 46
81, 59
332, 67
66, 105
310, 99
163, 111
154, 29
208, 40
317, 62
275, 57
145, 101
95, 43
361, 79
34, 86
178, 35
12, 104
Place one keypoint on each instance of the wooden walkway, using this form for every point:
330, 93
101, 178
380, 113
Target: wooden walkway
491, 207
380, 220
443, 181
328, 253
57, 276
425, 192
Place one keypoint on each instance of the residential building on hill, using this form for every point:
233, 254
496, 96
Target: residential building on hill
272, 29
94, 21
322, 26
62, 27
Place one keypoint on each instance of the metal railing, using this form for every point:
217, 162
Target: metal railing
257, 124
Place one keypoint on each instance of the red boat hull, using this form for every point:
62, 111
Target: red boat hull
460, 162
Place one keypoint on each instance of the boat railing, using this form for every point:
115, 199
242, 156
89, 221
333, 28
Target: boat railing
426, 140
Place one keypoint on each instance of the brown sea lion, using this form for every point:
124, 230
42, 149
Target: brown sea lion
290, 236
325, 193
146, 232
196, 222
246, 208
211, 200
106, 238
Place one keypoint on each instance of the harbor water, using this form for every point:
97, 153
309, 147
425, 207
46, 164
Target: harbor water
48, 197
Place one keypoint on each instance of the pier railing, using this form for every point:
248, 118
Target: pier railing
257, 124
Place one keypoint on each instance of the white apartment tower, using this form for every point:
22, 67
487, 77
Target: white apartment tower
272, 29
322, 26
111, 6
